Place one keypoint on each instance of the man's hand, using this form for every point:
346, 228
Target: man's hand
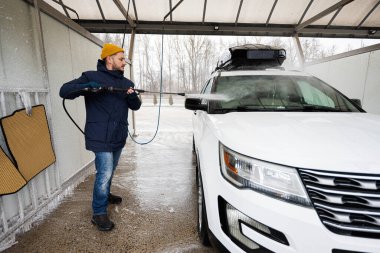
91, 85
130, 91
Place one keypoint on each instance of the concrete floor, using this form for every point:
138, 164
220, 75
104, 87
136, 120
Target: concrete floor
157, 183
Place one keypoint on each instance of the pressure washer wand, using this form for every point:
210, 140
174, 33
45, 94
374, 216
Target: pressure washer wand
112, 89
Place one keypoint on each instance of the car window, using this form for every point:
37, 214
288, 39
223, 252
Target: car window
279, 93
314, 96
207, 89
205, 86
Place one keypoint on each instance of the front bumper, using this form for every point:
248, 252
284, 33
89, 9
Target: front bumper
301, 226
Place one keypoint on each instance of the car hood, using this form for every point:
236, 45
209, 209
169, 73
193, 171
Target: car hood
347, 142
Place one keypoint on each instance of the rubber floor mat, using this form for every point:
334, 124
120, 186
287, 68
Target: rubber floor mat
10, 178
28, 140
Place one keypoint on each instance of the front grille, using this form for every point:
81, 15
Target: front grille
347, 204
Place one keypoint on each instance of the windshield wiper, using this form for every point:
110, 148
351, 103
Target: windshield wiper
248, 108
238, 109
220, 110
302, 108
317, 108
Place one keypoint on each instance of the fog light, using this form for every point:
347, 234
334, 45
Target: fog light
237, 223
235, 218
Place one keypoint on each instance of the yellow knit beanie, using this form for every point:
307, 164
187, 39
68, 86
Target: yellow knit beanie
110, 49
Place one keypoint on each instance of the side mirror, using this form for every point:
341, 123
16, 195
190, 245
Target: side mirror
357, 101
195, 104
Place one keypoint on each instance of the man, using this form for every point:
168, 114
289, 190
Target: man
106, 127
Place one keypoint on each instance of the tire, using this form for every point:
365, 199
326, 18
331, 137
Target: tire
202, 214
196, 173
193, 145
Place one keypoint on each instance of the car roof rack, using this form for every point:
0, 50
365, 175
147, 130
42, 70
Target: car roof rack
252, 57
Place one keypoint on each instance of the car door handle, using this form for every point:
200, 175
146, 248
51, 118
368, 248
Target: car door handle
195, 112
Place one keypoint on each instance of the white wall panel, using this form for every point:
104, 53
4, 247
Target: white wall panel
355, 76
68, 55
20, 68
19, 49
372, 88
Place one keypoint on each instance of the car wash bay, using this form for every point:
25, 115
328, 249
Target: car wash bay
158, 212
41, 48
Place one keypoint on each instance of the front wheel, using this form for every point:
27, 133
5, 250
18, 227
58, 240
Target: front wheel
202, 215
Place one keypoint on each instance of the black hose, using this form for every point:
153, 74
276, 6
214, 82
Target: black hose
112, 89
159, 104
68, 114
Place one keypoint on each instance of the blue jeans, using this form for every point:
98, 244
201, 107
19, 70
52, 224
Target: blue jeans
105, 164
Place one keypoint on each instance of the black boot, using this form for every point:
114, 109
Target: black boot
102, 222
113, 199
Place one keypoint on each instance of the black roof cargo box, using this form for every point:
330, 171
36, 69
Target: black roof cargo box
252, 56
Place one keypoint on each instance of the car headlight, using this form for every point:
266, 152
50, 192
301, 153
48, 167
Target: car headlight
271, 179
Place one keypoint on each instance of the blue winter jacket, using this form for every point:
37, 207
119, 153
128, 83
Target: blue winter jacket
106, 127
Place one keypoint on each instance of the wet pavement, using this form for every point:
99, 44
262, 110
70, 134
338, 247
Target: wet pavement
157, 183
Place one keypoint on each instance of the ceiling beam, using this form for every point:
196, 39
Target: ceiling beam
64, 8
300, 52
362, 50
238, 13
204, 11
333, 18
125, 13
305, 11
171, 10
101, 11
322, 14
170, 7
146, 27
271, 12
135, 10
368, 14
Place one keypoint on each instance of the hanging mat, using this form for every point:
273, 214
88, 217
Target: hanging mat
10, 178
28, 140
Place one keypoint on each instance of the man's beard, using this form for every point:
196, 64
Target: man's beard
114, 67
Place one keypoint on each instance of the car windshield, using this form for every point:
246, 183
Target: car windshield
278, 93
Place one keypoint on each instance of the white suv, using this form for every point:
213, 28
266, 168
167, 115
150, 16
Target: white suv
285, 163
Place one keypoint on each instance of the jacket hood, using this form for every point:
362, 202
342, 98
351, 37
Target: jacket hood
101, 66
324, 141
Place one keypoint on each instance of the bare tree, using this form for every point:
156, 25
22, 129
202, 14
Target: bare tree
311, 49
329, 51
181, 65
148, 71
188, 60
195, 46
169, 60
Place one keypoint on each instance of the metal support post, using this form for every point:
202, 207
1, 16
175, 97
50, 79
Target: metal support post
131, 77
300, 54
20, 197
